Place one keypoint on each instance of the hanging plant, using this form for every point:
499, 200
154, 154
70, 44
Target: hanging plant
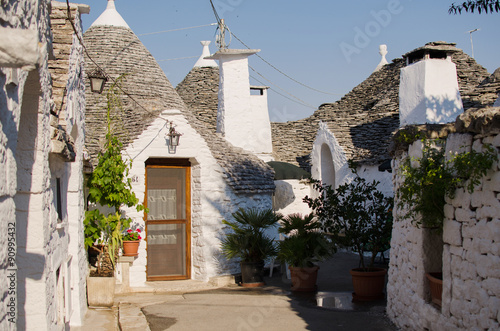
429, 180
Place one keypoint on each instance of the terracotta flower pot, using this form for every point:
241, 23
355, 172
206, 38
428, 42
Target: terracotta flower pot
304, 279
130, 248
436, 286
368, 285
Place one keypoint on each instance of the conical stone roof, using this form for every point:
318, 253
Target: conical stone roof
124, 58
117, 50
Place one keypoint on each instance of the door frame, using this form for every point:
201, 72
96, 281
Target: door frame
167, 163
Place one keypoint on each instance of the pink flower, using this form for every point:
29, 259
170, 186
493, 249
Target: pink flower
129, 230
139, 237
138, 230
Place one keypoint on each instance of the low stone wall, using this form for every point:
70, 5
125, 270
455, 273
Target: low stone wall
468, 252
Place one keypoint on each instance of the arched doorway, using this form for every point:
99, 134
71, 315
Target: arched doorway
327, 170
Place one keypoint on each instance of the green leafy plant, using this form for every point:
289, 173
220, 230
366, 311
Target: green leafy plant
248, 240
109, 186
429, 180
355, 215
305, 243
132, 235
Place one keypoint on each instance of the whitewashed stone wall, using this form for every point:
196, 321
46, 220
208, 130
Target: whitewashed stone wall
28, 170
212, 199
470, 260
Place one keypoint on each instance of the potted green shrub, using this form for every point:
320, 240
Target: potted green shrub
357, 216
249, 242
303, 246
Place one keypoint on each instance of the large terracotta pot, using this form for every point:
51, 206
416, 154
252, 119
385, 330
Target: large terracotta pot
304, 279
252, 274
100, 291
436, 286
368, 285
130, 248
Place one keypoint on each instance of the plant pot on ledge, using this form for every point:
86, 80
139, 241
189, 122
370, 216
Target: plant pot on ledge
131, 247
436, 286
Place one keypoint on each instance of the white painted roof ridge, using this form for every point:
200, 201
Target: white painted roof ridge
202, 62
383, 61
110, 17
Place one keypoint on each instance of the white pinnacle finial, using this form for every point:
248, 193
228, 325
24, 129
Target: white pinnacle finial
202, 62
110, 17
383, 52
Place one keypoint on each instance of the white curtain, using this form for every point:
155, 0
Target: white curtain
162, 204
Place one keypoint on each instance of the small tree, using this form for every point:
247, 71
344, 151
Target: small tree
355, 215
109, 186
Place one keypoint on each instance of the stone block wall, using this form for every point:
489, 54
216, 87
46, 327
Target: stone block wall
468, 252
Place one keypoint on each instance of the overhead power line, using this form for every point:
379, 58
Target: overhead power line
100, 68
180, 29
293, 96
179, 58
281, 72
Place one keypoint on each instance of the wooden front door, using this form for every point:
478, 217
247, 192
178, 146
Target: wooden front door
168, 222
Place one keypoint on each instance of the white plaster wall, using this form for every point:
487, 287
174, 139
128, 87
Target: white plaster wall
77, 270
260, 142
342, 172
212, 198
470, 258
428, 93
242, 118
341, 168
289, 195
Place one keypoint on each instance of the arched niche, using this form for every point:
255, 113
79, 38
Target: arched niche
327, 169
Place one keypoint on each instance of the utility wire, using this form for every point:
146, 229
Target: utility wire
284, 96
180, 29
179, 58
293, 96
100, 68
281, 72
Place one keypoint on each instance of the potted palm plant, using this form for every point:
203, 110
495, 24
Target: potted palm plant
358, 216
304, 245
249, 242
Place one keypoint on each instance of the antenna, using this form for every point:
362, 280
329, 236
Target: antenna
220, 39
472, 45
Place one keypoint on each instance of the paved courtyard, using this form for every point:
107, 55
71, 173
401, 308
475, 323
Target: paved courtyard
272, 307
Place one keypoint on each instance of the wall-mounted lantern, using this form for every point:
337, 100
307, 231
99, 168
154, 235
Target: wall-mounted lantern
97, 80
173, 138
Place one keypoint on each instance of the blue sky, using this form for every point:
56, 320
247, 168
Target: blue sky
328, 45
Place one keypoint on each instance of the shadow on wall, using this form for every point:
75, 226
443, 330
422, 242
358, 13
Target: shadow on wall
30, 266
283, 195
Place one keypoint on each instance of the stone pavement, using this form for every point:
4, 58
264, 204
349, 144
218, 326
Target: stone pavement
272, 307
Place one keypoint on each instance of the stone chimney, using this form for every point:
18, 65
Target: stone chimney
242, 116
428, 91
